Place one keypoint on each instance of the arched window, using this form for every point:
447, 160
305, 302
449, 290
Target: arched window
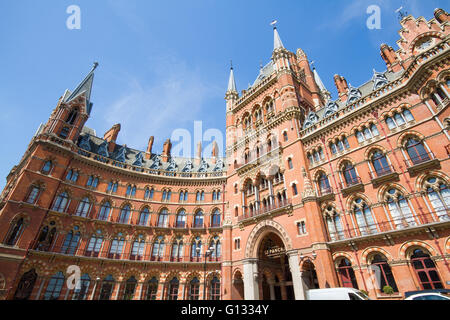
124, 214
324, 184
47, 167
333, 221
163, 218
172, 292
54, 287
194, 289
158, 248
72, 175
347, 274
439, 196
152, 289
148, 193
72, 116
26, 285
130, 288
215, 221
198, 219
380, 163
294, 189
181, 219
350, 176
95, 244
426, 270
383, 273
290, 165
214, 195
416, 151
84, 207
61, 202
214, 291
285, 136
399, 209
363, 216
15, 232
112, 187
177, 249
181, 198
137, 251
71, 242
107, 288
92, 182
46, 237
80, 293
216, 248
143, 217
196, 248
399, 119
33, 194
115, 251
104, 211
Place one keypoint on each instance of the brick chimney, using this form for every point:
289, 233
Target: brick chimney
441, 15
111, 136
390, 58
148, 153
166, 150
198, 154
341, 86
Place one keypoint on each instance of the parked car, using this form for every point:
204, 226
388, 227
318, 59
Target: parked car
336, 294
427, 296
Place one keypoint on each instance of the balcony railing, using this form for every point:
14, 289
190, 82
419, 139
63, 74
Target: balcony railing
263, 210
422, 162
103, 254
352, 182
397, 224
381, 172
420, 158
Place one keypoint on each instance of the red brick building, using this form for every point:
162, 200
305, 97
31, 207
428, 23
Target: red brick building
314, 192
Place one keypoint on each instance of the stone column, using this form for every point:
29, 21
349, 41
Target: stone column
299, 289
257, 198
271, 197
444, 90
272, 289
251, 291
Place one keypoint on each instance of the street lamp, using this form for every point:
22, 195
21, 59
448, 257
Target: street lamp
207, 253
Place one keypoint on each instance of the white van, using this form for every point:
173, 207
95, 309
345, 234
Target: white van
335, 294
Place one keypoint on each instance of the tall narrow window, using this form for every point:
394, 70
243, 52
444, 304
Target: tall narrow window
72, 116
324, 184
47, 167
399, 209
107, 288
350, 174
194, 289
84, 207
439, 196
364, 217
416, 151
177, 249
81, 292
172, 292
347, 274
137, 251
181, 219
143, 217
152, 289
215, 289
196, 248
426, 270
115, 251
384, 273
334, 225
15, 232
215, 218
125, 214
163, 218
104, 211
198, 219
380, 163
95, 244
61, 202
71, 242
54, 287
158, 248
130, 288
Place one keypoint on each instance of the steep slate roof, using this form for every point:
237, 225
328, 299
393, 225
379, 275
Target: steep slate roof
130, 156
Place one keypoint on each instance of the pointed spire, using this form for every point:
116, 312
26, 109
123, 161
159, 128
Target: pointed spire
85, 87
231, 81
318, 80
277, 44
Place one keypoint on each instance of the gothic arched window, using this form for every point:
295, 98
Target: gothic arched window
107, 288
198, 219
333, 221
158, 248
194, 289
399, 209
215, 218
380, 163
439, 196
95, 244
416, 151
214, 290
54, 287
177, 249
347, 274
71, 241
138, 249
81, 292
130, 288
26, 285
385, 276
15, 231
115, 251
125, 214
172, 292
84, 207
181, 219
152, 289
104, 211
61, 202
196, 248
33, 194
426, 270
364, 218
163, 218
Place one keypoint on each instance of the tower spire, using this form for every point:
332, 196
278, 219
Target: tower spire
231, 81
277, 43
85, 87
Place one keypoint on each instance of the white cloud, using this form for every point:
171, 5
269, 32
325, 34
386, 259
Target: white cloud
177, 98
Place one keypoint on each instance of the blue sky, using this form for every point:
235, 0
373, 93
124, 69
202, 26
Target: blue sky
165, 64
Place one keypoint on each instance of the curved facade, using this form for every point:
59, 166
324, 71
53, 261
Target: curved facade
313, 193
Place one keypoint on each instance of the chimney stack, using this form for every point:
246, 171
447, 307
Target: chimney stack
111, 136
166, 151
342, 87
148, 153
